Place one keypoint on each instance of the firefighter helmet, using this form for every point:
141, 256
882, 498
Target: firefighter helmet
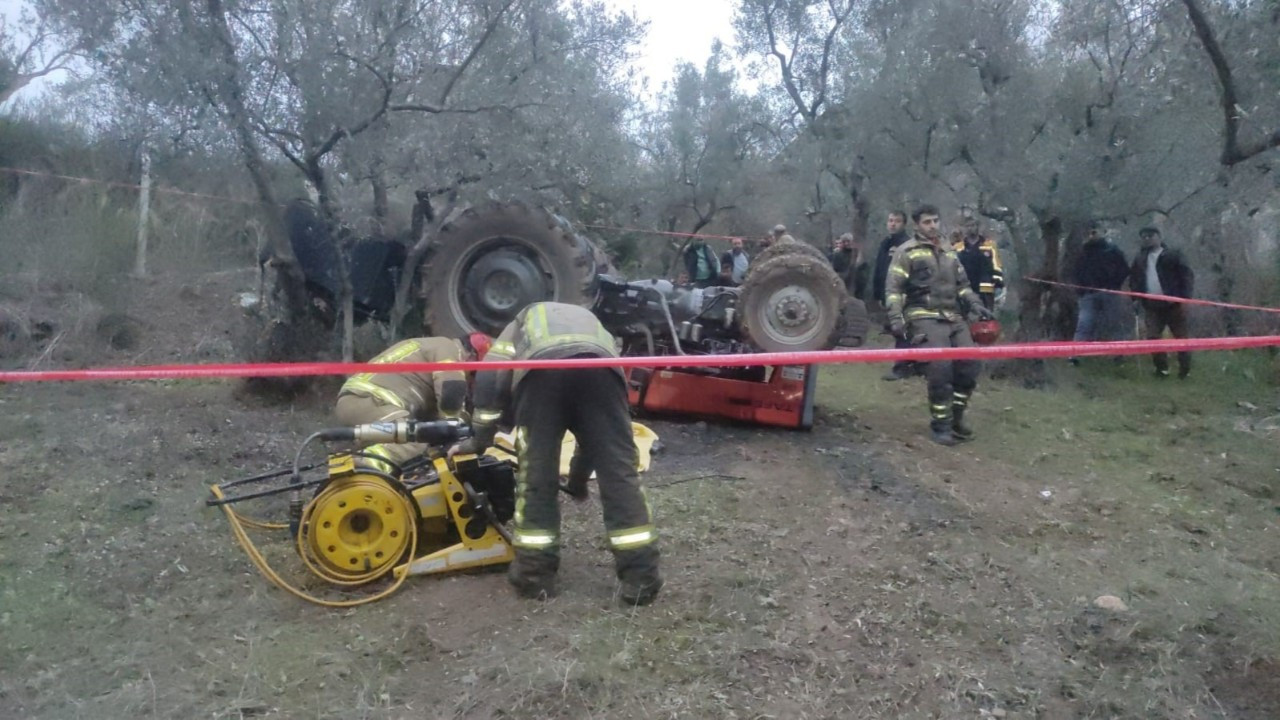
985, 332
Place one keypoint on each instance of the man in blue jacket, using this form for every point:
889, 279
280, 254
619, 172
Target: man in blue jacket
1101, 266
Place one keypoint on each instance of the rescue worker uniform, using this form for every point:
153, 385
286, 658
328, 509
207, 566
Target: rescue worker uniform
927, 295
981, 261
386, 397
591, 403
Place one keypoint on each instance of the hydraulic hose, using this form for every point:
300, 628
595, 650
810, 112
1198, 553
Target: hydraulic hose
255, 556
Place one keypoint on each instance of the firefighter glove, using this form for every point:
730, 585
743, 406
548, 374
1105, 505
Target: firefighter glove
983, 313
898, 329
482, 440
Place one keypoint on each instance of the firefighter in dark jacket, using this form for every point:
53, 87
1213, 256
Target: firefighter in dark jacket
928, 297
590, 402
1160, 270
386, 397
981, 261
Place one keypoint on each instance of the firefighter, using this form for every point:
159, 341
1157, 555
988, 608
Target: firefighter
386, 397
590, 402
981, 261
927, 297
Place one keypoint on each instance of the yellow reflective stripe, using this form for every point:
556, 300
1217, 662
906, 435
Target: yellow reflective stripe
918, 312
502, 348
359, 384
916, 253
632, 537
533, 538
898, 270
535, 323
376, 463
397, 354
487, 416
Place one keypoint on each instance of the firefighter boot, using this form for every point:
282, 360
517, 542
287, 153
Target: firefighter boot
959, 428
638, 575
533, 574
940, 422
943, 433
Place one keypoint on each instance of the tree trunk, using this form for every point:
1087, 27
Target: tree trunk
381, 206
426, 226
289, 331
144, 217
346, 293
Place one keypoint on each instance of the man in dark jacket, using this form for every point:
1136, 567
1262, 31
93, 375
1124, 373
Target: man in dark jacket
896, 225
847, 261
1159, 270
734, 263
1101, 266
701, 263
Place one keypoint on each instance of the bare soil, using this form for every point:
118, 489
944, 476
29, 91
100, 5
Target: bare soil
855, 571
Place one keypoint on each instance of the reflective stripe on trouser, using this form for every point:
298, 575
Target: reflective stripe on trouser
959, 400
360, 409
593, 404
946, 378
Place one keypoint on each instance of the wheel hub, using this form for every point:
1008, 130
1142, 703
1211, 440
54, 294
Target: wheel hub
357, 527
498, 284
793, 315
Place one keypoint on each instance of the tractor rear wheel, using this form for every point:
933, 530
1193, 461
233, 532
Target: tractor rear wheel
495, 260
791, 303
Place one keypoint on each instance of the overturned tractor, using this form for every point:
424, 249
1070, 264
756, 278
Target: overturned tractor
492, 261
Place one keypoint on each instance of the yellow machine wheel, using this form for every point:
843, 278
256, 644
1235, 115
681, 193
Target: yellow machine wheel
357, 529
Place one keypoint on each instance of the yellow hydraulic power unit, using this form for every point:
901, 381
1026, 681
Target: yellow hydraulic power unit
368, 518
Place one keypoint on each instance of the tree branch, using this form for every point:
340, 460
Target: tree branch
1232, 152
475, 50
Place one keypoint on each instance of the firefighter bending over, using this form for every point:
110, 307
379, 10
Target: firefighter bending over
590, 402
386, 397
927, 296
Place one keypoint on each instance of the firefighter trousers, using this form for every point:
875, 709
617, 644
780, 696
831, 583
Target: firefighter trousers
355, 409
950, 381
592, 403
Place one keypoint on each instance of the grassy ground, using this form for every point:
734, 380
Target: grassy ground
855, 571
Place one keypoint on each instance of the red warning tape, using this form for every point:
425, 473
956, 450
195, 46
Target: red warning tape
822, 357
1161, 298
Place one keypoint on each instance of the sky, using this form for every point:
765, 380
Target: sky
679, 30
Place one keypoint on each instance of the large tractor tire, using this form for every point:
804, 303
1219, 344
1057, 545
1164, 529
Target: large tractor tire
494, 260
792, 303
780, 249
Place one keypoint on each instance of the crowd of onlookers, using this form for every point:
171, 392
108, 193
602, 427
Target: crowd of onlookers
1100, 267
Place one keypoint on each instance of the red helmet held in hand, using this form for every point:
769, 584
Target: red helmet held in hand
985, 332
480, 343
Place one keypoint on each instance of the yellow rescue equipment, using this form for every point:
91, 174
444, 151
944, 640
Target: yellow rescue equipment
368, 520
